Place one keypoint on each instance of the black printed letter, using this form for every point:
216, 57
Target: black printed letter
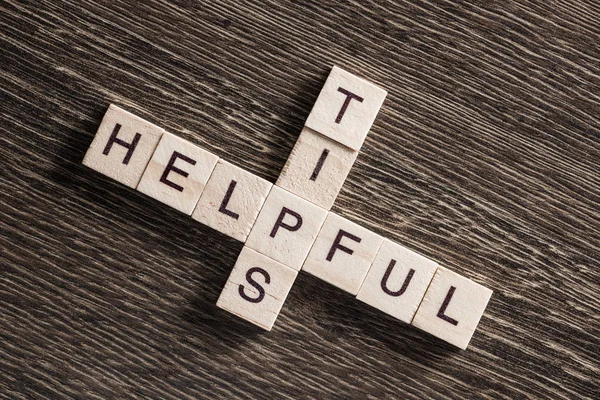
349, 97
280, 223
223, 207
445, 303
386, 276
256, 285
319, 165
171, 167
337, 246
129, 146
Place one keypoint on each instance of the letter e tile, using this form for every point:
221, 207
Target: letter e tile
177, 173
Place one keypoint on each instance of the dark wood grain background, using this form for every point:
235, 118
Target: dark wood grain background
484, 157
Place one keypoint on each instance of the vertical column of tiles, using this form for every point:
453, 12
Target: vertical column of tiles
346, 108
122, 146
177, 173
342, 253
397, 281
317, 168
286, 228
257, 288
452, 307
231, 200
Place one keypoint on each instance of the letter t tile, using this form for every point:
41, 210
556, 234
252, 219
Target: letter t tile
346, 108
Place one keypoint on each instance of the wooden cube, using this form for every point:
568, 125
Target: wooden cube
232, 200
257, 288
346, 108
317, 168
122, 146
342, 253
397, 281
452, 307
286, 228
177, 173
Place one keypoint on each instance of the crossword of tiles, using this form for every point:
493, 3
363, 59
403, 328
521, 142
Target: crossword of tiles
287, 227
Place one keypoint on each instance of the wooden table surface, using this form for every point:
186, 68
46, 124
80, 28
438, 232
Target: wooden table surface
485, 157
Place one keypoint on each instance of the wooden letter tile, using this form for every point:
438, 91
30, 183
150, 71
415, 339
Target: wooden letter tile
342, 253
317, 168
231, 200
177, 173
257, 288
286, 228
452, 307
122, 146
397, 281
346, 108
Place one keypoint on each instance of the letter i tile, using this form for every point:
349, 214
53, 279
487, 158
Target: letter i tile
452, 307
257, 288
317, 168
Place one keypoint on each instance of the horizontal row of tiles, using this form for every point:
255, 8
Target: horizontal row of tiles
399, 282
161, 165
284, 232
